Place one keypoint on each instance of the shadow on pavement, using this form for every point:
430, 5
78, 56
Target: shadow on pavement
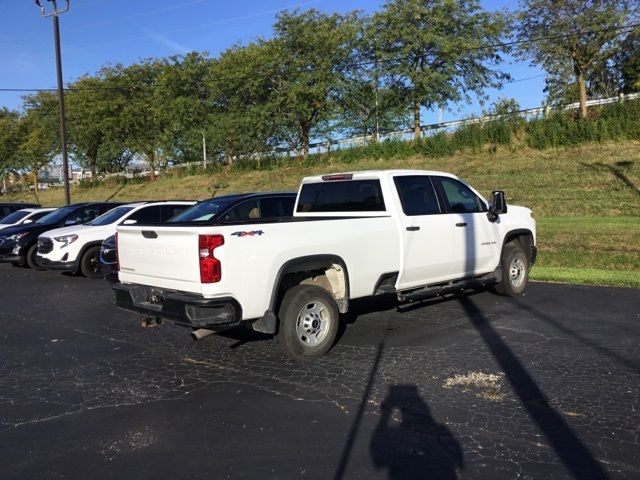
570, 450
353, 432
630, 364
418, 447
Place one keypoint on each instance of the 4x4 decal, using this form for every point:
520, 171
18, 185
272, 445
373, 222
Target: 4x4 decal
248, 234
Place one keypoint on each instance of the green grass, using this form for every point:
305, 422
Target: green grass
586, 199
589, 276
595, 250
605, 243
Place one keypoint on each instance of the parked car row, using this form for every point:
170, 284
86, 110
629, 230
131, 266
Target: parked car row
80, 238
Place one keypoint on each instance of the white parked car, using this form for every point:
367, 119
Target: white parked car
412, 233
77, 248
24, 216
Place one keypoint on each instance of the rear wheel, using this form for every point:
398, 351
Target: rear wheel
90, 263
30, 259
309, 320
515, 270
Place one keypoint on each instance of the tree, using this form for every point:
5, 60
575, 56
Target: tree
9, 141
241, 120
93, 119
439, 50
144, 124
39, 132
181, 93
572, 37
367, 104
311, 51
627, 63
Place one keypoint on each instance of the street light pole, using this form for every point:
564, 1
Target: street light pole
54, 13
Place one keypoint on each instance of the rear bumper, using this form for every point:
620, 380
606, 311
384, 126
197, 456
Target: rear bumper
56, 265
183, 308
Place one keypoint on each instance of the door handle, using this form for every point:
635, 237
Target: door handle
413, 228
461, 224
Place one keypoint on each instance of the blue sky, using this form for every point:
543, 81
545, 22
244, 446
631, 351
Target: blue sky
100, 32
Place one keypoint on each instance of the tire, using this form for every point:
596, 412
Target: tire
309, 321
515, 270
90, 263
30, 258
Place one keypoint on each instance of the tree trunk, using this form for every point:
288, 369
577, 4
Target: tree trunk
35, 180
151, 157
306, 131
229, 150
94, 171
582, 87
416, 120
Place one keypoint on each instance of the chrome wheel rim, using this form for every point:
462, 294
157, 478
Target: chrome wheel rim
517, 271
313, 323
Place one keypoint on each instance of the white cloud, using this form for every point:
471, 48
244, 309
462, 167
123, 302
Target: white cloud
167, 42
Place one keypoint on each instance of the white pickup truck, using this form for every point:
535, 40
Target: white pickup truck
413, 233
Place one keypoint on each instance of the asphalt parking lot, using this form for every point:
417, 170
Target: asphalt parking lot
542, 386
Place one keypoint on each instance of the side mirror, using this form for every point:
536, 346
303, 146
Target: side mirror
498, 205
27, 221
130, 222
69, 222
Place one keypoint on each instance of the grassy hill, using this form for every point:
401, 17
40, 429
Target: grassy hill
586, 199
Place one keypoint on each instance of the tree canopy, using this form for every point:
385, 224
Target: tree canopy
321, 76
573, 38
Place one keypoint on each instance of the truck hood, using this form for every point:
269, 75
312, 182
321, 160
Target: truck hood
519, 210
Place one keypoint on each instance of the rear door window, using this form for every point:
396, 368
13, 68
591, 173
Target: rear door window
152, 214
170, 211
341, 196
248, 210
417, 195
276, 207
83, 215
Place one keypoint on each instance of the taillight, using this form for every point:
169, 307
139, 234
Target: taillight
210, 267
117, 256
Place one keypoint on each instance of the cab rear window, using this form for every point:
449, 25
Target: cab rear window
341, 196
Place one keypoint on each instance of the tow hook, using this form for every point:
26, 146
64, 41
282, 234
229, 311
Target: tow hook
200, 333
150, 322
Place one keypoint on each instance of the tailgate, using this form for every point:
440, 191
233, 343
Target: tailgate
159, 252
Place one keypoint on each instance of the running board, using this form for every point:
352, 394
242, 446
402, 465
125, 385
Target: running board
451, 287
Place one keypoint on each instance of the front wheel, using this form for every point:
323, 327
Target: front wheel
309, 320
30, 259
515, 270
90, 263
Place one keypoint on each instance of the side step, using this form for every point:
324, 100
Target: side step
442, 289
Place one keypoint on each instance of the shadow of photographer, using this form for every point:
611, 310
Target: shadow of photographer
418, 447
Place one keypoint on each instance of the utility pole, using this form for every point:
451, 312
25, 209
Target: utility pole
377, 87
204, 152
54, 13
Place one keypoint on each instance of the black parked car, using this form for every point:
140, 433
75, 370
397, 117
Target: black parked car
233, 208
9, 208
18, 244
